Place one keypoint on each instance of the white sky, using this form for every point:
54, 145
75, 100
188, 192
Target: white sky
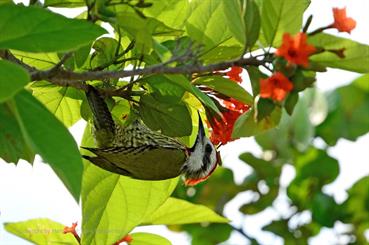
33, 192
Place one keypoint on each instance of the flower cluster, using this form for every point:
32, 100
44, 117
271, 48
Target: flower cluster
222, 127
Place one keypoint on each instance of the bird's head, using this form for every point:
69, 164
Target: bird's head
202, 160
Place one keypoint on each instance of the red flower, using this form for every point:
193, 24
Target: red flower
341, 22
276, 87
72, 230
222, 129
127, 238
295, 49
234, 74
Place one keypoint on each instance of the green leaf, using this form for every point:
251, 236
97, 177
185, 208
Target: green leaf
41, 231
64, 3
246, 125
168, 90
115, 203
324, 210
47, 32
263, 170
348, 115
173, 13
42, 61
62, 102
281, 228
252, 22
209, 234
226, 87
12, 144
183, 82
172, 119
255, 75
356, 54
218, 25
357, 204
143, 238
314, 169
105, 52
281, 16
176, 211
290, 102
142, 30
49, 138
13, 78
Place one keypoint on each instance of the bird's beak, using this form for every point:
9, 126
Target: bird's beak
201, 133
219, 159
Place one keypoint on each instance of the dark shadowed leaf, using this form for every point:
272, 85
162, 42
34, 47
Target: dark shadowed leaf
172, 119
252, 23
227, 87
12, 144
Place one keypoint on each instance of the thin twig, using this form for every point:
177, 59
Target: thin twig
240, 230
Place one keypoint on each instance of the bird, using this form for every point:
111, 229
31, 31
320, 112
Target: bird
138, 152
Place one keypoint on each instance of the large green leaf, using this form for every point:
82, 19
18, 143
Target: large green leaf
219, 26
226, 87
176, 211
35, 29
356, 54
12, 144
115, 203
143, 238
41, 231
62, 102
348, 115
281, 16
173, 13
49, 138
12, 79
247, 125
173, 119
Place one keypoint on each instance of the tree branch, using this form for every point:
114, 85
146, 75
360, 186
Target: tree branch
60, 76
64, 75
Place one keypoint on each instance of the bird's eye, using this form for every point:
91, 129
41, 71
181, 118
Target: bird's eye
208, 148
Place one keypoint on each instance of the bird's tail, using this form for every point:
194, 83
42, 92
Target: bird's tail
104, 125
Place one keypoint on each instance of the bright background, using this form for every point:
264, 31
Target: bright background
28, 192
